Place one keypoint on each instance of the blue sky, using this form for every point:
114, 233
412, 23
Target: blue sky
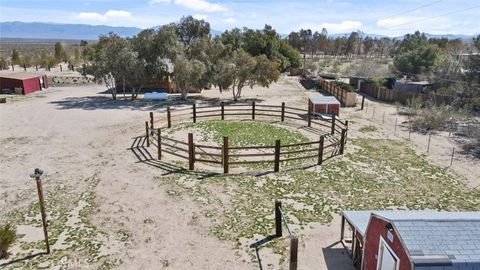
371, 16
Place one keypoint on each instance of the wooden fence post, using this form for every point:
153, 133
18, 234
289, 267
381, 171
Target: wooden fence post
225, 154
147, 134
409, 129
346, 131
293, 253
342, 142
191, 152
309, 117
169, 119
36, 67
395, 131
151, 123
341, 97
253, 110
333, 124
282, 118
223, 110
363, 102
428, 146
24, 67
159, 143
277, 156
13, 67
194, 112
451, 160
278, 219
320, 150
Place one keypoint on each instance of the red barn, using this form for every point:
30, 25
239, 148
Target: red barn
413, 240
25, 81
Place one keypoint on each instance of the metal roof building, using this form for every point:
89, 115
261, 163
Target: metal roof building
420, 240
25, 82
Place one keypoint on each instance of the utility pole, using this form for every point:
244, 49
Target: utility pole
37, 174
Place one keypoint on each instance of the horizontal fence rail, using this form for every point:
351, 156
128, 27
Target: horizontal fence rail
331, 130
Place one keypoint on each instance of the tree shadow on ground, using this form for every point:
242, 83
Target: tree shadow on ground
336, 257
107, 103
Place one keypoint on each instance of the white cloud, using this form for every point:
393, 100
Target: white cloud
118, 14
91, 16
156, 2
97, 17
201, 5
344, 26
230, 20
392, 22
200, 16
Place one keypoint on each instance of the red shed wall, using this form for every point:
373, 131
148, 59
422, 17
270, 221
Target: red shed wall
322, 108
31, 85
375, 230
10, 83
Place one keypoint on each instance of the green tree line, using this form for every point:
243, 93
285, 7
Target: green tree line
231, 61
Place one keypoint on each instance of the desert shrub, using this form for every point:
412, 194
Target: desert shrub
432, 118
344, 86
366, 129
379, 82
8, 234
472, 144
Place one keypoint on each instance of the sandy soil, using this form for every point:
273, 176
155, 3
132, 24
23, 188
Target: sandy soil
76, 133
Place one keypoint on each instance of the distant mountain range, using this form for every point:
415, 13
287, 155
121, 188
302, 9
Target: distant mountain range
47, 31
37, 30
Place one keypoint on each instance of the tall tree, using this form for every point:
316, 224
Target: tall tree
109, 62
59, 51
416, 56
15, 57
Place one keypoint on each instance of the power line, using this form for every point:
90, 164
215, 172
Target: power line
413, 9
437, 16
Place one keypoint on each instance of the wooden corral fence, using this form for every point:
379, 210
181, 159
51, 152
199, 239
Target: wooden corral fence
394, 95
346, 98
332, 136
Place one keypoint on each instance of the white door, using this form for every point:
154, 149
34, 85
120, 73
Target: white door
388, 260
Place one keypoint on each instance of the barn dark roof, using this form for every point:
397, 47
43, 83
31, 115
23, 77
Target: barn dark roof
447, 239
20, 75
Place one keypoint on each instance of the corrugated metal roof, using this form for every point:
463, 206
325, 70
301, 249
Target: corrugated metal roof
20, 75
324, 100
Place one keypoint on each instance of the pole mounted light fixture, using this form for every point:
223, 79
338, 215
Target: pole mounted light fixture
37, 173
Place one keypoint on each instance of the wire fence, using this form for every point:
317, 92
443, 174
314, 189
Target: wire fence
441, 144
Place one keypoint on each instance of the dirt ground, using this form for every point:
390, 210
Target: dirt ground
82, 140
